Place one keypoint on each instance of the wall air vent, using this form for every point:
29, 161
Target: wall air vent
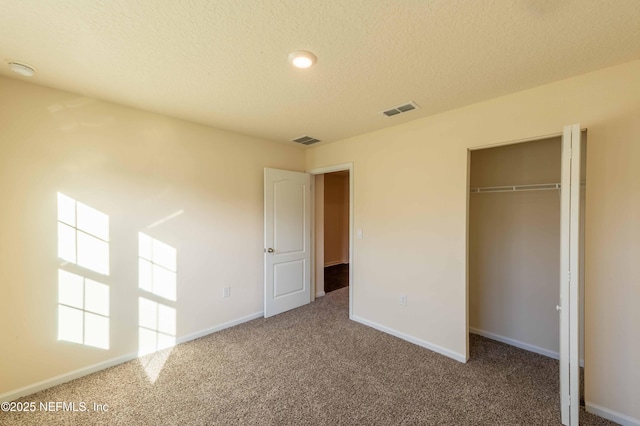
306, 140
409, 106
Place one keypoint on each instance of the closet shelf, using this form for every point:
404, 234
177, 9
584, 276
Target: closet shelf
512, 188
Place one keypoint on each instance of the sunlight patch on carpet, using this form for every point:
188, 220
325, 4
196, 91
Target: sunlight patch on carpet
154, 363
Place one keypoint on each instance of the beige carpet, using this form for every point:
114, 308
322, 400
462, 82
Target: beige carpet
312, 366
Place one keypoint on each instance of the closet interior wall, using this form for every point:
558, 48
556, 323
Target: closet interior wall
514, 245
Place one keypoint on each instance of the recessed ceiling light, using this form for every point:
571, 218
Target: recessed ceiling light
22, 68
302, 59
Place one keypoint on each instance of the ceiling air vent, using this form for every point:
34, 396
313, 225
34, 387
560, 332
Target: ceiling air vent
410, 106
306, 140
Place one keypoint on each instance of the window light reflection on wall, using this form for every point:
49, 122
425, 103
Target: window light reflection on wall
83, 310
157, 277
157, 326
83, 303
83, 235
157, 267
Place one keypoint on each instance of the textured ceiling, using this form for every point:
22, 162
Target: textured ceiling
224, 62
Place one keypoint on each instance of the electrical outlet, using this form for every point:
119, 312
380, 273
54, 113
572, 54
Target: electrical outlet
403, 299
226, 292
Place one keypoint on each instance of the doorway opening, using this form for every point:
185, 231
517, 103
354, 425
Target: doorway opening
514, 246
333, 230
336, 230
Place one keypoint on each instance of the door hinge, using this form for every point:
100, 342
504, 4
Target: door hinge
569, 276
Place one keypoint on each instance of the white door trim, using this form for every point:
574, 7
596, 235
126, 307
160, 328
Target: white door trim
574, 291
320, 171
565, 225
570, 276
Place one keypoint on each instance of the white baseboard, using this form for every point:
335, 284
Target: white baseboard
76, 374
423, 343
608, 414
518, 344
320, 294
220, 327
337, 262
63, 378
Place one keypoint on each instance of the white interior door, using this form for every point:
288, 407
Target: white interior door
569, 276
287, 240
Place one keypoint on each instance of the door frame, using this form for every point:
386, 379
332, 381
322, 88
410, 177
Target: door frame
580, 258
321, 171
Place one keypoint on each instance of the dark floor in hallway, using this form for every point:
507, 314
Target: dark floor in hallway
336, 277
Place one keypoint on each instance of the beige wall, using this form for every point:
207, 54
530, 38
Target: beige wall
514, 246
138, 168
336, 218
411, 202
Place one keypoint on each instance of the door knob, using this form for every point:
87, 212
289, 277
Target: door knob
558, 308
270, 250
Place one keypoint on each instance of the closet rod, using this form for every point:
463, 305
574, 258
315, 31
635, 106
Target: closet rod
512, 188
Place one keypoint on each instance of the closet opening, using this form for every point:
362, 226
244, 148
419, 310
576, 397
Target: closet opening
514, 250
